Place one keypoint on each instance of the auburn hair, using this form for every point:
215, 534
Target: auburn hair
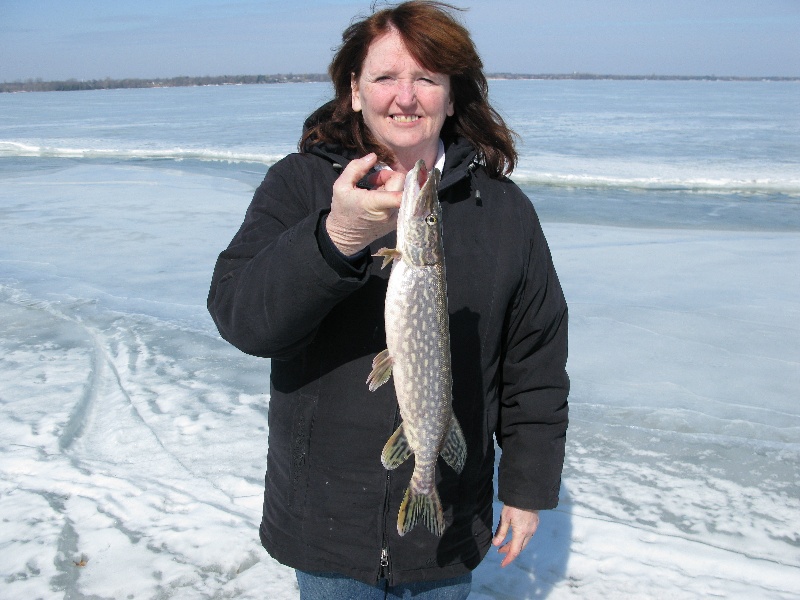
440, 44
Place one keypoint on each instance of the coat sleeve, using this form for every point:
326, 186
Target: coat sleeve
272, 286
533, 404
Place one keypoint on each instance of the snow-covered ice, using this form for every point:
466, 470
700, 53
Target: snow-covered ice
134, 439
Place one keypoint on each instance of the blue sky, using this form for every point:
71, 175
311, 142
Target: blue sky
90, 39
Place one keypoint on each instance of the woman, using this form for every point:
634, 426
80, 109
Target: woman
298, 284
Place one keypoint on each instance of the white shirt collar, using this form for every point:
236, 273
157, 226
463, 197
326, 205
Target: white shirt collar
439, 164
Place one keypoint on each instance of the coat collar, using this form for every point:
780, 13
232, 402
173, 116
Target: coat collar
460, 158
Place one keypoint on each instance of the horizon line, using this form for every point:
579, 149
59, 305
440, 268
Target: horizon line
74, 84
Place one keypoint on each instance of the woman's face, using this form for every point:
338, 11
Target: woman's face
403, 104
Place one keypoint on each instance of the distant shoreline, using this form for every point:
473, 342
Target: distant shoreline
71, 85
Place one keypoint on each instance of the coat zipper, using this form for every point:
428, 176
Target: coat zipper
384, 563
385, 571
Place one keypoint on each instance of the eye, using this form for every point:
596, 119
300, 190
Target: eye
431, 219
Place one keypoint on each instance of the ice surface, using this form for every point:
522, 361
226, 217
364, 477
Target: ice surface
134, 439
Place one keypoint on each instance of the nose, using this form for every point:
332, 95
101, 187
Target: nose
406, 92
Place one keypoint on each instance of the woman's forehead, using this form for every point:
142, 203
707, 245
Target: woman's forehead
390, 52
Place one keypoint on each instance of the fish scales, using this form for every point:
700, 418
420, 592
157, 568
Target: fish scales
418, 354
417, 328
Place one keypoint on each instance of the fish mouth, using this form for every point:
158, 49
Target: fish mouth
420, 190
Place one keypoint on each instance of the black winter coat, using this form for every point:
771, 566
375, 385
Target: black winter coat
280, 291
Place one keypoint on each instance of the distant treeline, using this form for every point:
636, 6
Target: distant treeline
639, 77
71, 85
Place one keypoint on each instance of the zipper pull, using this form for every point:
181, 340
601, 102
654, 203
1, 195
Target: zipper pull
383, 572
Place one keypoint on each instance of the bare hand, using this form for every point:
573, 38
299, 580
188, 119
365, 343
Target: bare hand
523, 525
360, 216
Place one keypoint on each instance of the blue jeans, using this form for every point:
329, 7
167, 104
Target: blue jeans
332, 586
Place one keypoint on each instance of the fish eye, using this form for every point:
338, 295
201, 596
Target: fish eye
431, 219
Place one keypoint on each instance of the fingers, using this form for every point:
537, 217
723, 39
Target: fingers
385, 179
502, 529
523, 524
513, 549
356, 170
383, 201
385, 184
358, 216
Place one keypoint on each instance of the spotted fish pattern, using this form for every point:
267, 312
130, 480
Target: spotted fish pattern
418, 353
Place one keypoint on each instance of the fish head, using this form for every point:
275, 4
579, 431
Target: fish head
419, 221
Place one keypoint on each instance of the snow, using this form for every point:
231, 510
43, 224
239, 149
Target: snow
134, 440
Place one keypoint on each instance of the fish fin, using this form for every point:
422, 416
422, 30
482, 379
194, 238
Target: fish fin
396, 451
388, 254
454, 451
421, 508
381, 370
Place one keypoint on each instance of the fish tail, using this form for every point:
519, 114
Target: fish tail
421, 507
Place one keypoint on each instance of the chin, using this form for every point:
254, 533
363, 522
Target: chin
407, 145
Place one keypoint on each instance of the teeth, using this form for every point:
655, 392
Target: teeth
405, 118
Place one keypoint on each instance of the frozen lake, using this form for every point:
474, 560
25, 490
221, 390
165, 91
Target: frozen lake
134, 439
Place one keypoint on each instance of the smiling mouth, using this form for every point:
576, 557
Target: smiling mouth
405, 118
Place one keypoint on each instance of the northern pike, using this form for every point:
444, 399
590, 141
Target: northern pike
418, 353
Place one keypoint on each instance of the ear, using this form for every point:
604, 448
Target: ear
451, 107
355, 97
